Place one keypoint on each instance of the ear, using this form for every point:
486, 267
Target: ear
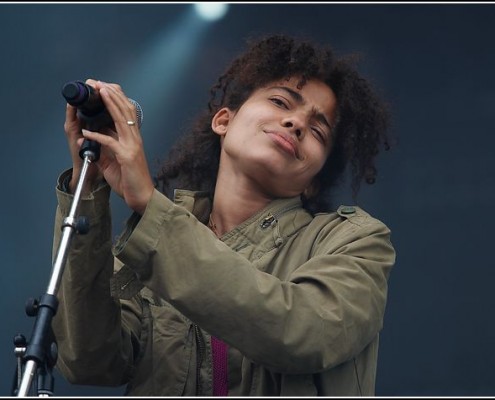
220, 121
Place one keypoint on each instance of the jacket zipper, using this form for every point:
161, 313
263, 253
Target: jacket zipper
200, 356
265, 223
271, 218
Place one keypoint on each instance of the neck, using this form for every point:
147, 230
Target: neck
235, 200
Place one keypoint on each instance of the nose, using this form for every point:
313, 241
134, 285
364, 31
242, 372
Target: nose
294, 125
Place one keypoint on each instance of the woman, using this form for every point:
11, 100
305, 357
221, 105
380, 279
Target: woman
247, 283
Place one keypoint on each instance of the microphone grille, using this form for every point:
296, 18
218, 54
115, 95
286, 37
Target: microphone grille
139, 112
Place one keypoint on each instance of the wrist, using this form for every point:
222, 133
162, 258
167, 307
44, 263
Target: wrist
140, 208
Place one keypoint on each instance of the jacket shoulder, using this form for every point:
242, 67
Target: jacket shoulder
352, 213
347, 219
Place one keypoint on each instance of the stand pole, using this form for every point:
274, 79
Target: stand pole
39, 352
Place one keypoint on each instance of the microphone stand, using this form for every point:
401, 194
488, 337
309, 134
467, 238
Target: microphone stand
40, 354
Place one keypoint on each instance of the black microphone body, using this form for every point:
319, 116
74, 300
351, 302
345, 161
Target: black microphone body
91, 110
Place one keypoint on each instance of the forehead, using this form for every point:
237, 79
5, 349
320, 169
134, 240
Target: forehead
315, 93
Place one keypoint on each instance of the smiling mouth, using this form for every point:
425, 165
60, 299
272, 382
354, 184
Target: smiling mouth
283, 143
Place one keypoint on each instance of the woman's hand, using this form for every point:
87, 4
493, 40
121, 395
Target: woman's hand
122, 160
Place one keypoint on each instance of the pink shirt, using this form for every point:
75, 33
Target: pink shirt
219, 354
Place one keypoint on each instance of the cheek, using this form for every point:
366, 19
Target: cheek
254, 116
317, 155
245, 128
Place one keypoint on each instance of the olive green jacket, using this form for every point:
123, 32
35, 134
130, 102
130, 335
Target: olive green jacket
299, 299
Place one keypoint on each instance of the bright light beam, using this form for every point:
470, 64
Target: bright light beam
158, 69
211, 11
155, 76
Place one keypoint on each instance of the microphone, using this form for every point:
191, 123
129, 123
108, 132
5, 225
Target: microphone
90, 108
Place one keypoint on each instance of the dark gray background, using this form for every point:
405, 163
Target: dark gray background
433, 63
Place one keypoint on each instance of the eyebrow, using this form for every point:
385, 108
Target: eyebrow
300, 99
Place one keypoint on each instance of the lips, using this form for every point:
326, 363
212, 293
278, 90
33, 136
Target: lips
285, 142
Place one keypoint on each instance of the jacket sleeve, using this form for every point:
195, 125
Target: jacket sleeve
95, 345
328, 311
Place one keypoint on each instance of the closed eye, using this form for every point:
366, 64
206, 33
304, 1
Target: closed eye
320, 135
279, 102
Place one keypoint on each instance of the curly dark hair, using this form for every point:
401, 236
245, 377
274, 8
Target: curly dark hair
360, 129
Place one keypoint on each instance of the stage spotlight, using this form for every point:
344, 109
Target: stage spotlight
211, 11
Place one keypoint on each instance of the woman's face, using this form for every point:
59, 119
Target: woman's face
280, 138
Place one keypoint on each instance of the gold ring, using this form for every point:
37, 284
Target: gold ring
131, 123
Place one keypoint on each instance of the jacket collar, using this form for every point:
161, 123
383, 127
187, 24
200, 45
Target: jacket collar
280, 219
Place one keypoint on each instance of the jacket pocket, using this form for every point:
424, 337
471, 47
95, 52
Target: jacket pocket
171, 349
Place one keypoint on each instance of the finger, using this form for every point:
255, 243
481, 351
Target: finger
123, 105
70, 113
72, 125
71, 116
121, 110
93, 82
81, 140
110, 132
105, 140
111, 149
100, 84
